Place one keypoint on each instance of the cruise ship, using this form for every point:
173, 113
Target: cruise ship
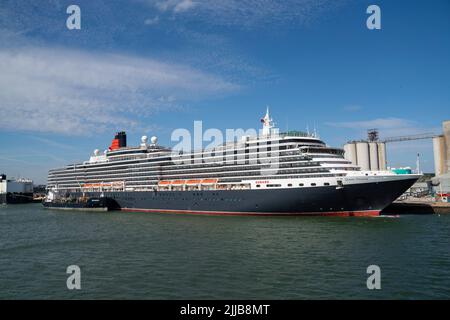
270, 173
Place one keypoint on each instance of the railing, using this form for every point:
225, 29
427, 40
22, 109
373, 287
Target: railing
296, 133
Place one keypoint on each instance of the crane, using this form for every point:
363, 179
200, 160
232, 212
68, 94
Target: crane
373, 136
428, 135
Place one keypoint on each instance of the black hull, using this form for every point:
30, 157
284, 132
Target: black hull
94, 204
16, 198
365, 199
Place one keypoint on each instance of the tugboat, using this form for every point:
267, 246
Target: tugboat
83, 203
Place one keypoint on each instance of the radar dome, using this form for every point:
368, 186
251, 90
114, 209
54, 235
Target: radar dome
144, 139
154, 140
96, 152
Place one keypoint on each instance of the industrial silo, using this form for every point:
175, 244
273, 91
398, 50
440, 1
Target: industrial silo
446, 130
347, 151
382, 156
373, 153
439, 155
362, 155
350, 152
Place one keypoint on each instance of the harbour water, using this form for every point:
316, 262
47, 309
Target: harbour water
168, 256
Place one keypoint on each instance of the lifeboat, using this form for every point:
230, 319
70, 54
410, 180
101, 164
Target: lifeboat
209, 181
96, 185
189, 182
193, 182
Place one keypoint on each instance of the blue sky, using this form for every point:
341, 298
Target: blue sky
149, 67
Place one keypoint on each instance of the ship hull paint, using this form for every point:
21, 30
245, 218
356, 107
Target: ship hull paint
366, 199
97, 204
76, 208
368, 213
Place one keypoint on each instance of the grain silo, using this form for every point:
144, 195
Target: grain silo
350, 152
439, 155
373, 153
362, 155
446, 129
382, 156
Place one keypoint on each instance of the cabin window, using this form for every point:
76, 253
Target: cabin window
301, 184
258, 185
326, 184
289, 184
273, 185
313, 184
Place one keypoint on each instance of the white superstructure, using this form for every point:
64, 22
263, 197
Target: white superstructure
270, 160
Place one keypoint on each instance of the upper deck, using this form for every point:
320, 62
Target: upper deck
270, 154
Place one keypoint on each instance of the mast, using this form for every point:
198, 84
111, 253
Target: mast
267, 123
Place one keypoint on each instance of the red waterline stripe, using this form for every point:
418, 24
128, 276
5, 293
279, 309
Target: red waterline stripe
366, 213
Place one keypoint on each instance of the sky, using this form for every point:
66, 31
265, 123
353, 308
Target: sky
151, 66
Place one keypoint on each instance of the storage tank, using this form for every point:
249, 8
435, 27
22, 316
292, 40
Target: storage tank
373, 153
350, 152
362, 155
382, 156
446, 130
347, 151
439, 155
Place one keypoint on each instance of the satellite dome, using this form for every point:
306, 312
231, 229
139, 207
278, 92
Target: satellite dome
144, 139
154, 139
96, 152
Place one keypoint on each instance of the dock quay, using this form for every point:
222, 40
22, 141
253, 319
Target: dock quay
417, 206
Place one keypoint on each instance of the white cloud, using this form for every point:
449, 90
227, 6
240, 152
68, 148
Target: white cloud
249, 13
184, 5
152, 21
73, 92
175, 5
